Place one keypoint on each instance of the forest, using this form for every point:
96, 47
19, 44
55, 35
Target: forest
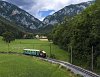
81, 34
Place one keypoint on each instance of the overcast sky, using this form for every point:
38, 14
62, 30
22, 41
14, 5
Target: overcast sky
42, 8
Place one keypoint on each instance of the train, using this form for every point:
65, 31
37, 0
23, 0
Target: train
35, 52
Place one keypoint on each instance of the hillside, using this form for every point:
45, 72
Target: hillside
82, 36
65, 13
19, 16
6, 25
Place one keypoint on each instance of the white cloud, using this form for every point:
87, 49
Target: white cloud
45, 5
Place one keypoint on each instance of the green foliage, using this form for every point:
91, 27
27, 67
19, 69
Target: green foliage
98, 1
49, 36
59, 35
53, 56
8, 37
29, 36
82, 32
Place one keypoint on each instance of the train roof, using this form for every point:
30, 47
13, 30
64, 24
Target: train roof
31, 50
43, 51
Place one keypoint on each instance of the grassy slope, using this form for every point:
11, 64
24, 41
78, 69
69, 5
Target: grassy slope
19, 45
25, 66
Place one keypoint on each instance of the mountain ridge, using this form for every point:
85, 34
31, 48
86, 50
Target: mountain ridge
28, 22
67, 11
14, 13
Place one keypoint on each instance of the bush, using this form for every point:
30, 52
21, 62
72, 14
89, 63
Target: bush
52, 56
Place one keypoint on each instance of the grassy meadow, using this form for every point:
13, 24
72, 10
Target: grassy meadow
19, 44
17, 65
12, 65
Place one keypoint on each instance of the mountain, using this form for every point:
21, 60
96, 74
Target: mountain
29, 23
19, 16
6, 25
66, 12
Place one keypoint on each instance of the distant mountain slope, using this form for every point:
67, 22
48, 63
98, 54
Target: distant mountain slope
66, 12
6, 25
19, 16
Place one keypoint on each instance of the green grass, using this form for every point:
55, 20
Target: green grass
26, 66
20, 44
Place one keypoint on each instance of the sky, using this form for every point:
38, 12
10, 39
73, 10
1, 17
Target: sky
42, 8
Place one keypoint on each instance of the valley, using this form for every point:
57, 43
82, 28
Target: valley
72, 34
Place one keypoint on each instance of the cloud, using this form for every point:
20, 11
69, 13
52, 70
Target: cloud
36, 7
26, 4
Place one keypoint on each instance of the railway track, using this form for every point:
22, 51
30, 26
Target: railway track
73, 68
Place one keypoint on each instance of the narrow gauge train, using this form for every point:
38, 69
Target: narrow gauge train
34, 52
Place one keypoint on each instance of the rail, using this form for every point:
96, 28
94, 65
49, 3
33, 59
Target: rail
73, 68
